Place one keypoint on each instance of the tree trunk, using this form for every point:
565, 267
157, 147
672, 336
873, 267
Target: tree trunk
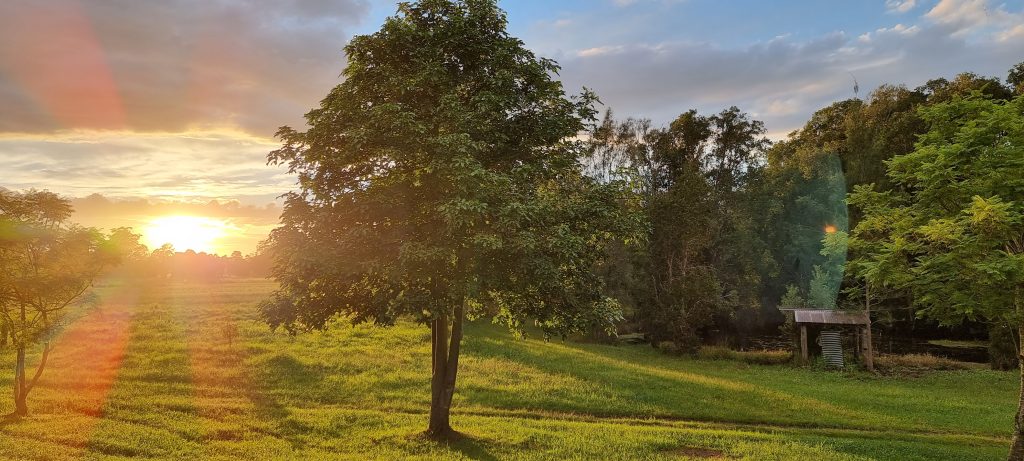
20, 389
1017, 446
452, 367
23, 387
439, 426
445, 361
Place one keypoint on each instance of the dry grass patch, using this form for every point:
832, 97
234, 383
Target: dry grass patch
922, 362
762, 357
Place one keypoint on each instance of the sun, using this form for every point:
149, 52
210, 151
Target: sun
199, 234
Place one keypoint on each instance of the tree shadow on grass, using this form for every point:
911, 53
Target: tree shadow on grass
467, 445
618, 387
266, 379
280, 372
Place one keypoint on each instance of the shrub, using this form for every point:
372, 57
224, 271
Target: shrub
230, 332
1001, 351
716, 353
669, 347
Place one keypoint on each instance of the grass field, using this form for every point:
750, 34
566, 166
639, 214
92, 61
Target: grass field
154, 372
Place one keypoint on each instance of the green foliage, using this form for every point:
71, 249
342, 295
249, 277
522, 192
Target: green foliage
1016, 78
444, 169
1003, 348
804, 190
951, 235
793, 298
823, 288
695, 181
843, 146
47, 263
941, 90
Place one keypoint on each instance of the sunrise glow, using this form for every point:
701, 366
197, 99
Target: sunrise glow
200, 234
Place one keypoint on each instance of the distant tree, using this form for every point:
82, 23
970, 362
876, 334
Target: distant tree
941, 90
695, 181
952, 233
1016, 78
46, 264
442, 180
885, 125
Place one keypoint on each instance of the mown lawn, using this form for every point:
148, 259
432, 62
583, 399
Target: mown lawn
156, 372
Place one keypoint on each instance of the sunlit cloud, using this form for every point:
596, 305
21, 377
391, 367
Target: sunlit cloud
194, 165
966, 17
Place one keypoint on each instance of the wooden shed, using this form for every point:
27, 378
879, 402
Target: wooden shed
859, 319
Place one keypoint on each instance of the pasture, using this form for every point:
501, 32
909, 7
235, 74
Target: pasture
187, 371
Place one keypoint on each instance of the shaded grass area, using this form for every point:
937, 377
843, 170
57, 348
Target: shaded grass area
158, 374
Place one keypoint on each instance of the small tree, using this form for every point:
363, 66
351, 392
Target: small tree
441, 180
46, 264
951, 234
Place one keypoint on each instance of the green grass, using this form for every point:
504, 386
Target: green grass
150, 373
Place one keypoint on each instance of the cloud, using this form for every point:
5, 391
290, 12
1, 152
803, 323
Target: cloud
783, 80
171, 65
600, 50
900, 6
1016, 33
897, 29
964, 17
194, 165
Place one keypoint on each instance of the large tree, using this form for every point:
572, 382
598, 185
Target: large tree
442, 179
950, 235
46, 264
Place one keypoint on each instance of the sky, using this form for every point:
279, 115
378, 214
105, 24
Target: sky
138, 110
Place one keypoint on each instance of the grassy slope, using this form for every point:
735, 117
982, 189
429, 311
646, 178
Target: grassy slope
150, 373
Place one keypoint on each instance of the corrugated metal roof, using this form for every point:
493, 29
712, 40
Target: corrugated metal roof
830, 317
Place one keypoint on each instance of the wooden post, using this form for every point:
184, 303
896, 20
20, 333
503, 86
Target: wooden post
869, 354
858, 353
803, 343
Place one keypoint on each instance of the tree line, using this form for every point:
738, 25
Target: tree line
738, 225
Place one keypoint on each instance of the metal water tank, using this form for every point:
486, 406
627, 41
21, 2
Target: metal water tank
831, 348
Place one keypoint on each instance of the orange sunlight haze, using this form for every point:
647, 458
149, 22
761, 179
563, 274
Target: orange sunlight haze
195, 233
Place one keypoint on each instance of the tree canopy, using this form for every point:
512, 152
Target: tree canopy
46, 264
442, 179
951, 235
